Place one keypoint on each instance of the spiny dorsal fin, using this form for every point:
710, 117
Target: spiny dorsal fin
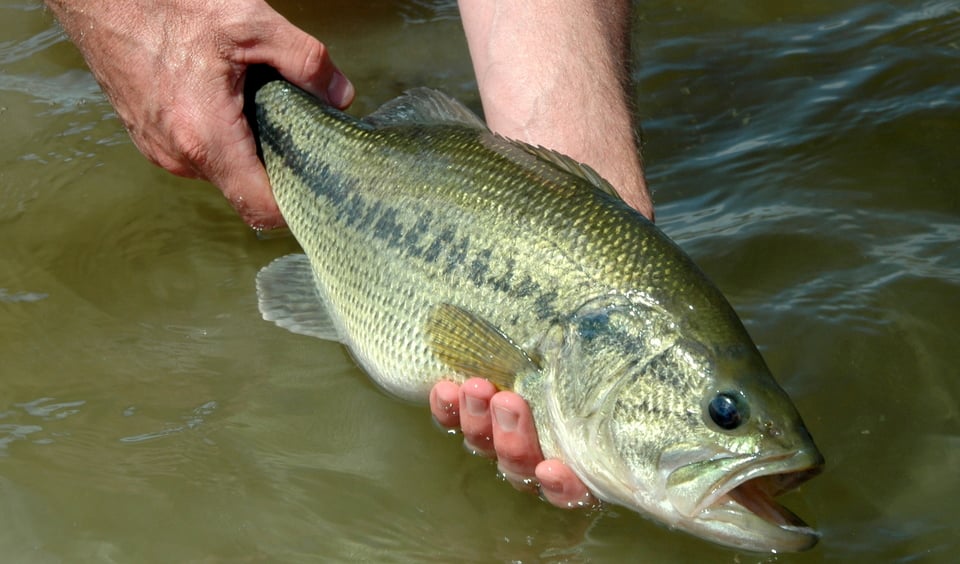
424, 105
473, 347
568, 164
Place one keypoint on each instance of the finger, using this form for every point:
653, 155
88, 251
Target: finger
561, 487
475, 420
445, 404
161, 150
248, 190
515, 439
167, 160
303, 60
235, 168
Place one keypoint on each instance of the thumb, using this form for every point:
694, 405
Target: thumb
248, 189
238, 172
302, 59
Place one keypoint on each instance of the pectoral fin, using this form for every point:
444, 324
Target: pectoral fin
287, 295
474, 347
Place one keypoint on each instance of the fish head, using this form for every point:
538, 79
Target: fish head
747, 446
696, 435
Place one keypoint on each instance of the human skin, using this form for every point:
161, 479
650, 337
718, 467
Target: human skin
555, 73
175, 74
550, 72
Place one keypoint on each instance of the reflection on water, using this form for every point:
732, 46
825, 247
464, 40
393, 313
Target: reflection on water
804, 155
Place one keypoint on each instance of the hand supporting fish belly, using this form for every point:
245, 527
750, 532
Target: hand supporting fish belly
502, 418
436, 250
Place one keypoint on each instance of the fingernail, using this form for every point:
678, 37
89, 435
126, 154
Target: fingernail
476, 406
340, 91
506, 419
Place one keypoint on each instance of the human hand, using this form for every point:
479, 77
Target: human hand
175, 71
500, 424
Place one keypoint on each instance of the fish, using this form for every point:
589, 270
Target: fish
435, 249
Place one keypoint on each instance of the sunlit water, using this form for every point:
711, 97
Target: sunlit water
805, 156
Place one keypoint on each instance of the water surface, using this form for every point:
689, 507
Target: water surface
804, 155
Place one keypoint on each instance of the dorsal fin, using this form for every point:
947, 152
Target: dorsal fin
568, 164
427, 106
424, 105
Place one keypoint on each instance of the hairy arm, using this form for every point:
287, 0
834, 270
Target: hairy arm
555, 73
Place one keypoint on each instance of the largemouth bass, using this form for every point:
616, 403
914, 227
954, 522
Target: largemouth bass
435, 249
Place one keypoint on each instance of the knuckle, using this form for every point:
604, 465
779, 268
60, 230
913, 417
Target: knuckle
172, 165
515, 460
314, 57
161, 153
188, 143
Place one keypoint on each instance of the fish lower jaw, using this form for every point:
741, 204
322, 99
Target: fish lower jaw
732, 524
747, 516
732, 500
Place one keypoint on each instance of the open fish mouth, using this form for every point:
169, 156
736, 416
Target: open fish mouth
733, 500
758, 496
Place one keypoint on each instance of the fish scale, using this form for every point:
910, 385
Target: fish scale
468, 266
435, 249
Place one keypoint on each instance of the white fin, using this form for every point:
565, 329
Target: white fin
424, 105
287, 295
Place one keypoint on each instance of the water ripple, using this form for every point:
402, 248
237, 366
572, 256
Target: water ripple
14, 297
820, 81
72, 92
42, 409
426, 11
16, 50
189, 422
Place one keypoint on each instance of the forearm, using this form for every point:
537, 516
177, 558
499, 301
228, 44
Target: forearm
554, 73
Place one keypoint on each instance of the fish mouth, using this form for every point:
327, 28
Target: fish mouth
733, 500
758, 496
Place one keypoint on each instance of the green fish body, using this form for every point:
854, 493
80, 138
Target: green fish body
435, 249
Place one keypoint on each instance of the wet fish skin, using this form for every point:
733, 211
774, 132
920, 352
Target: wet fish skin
438, 250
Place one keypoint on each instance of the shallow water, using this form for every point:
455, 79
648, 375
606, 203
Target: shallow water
804, 155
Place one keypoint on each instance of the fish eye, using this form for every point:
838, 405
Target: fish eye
728, 410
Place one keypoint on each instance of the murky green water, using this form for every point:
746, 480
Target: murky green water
805, 155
